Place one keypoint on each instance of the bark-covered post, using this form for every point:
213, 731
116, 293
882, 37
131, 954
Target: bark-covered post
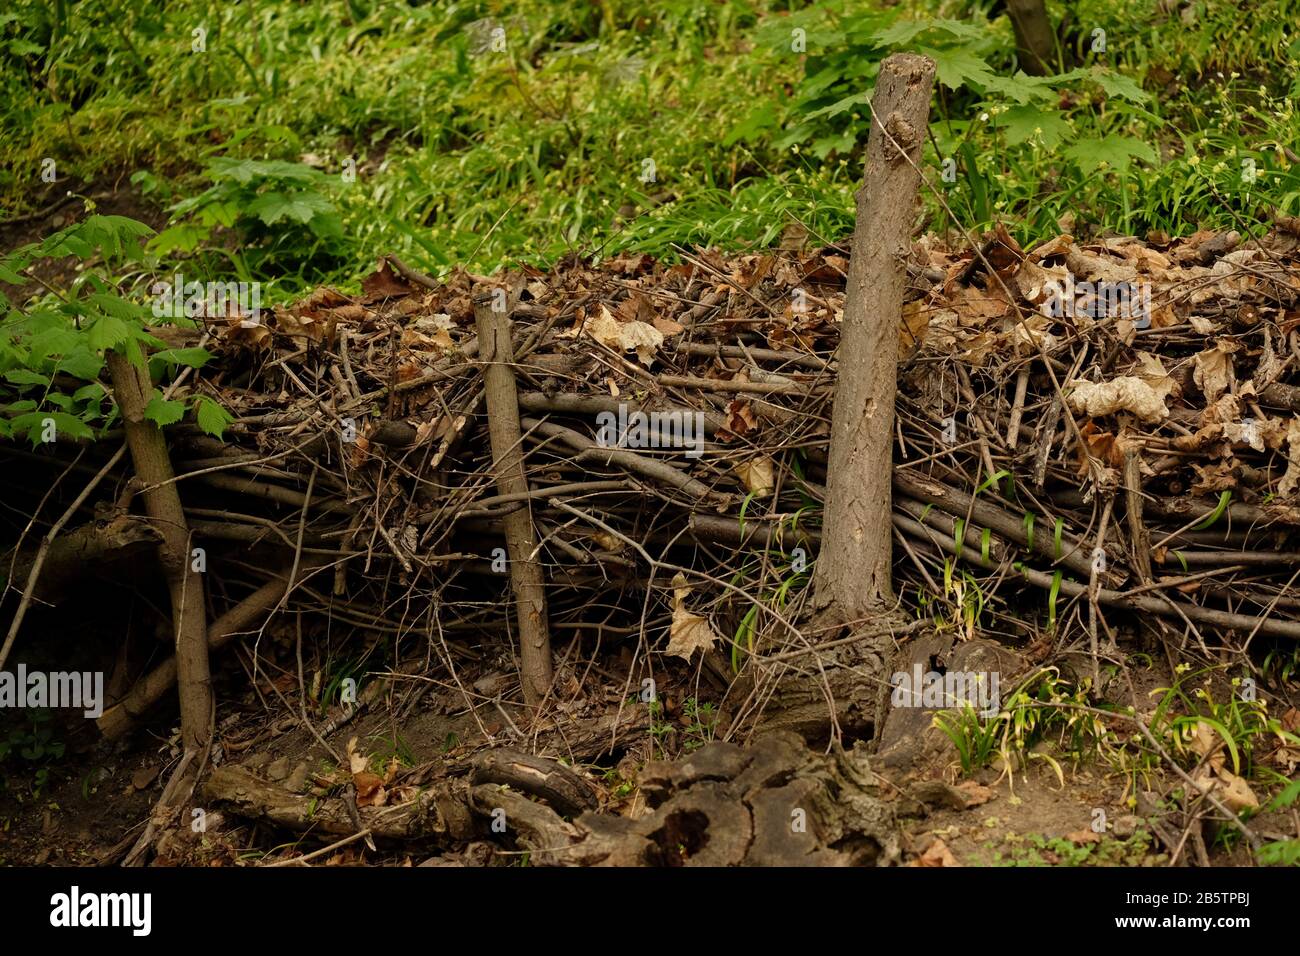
853, 574
526, 580
162, 502
1035, 38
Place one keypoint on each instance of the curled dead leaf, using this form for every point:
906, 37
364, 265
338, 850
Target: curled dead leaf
758, 474
688, 631
1126, 393
635, 336
936, 854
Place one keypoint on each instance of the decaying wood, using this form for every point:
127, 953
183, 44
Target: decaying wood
774, 803
85, 552
568, 792
436, 813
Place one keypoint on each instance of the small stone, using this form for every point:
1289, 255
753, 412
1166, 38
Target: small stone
145, 776
1127, 825
297, 781
258, 760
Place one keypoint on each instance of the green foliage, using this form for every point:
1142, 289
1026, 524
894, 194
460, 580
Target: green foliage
1090, 143
753, 577
471, 154
52, 377
1282, 852
1034, 849
701, 723
35, 742
267, 203
1044, 707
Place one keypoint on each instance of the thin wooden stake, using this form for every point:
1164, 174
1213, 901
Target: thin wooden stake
526, 579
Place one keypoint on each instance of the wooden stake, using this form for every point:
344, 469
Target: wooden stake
853, 575
162, 502
526, 580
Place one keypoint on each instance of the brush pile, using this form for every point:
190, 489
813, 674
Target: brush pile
1089, 435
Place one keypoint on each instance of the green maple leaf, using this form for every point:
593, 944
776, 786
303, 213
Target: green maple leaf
1114, 152
1022, 87
273, 206
1118, 85
906, 31
960, 66
1024, 123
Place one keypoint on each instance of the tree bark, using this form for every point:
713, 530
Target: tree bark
853, 573
162, 502
1035, 39
72, 558
526, 580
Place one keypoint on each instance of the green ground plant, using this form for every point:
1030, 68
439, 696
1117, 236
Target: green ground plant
298, 142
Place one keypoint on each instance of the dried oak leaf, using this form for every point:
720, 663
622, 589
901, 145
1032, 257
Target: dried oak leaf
936, 854
758, 474
635, 336
1213, 374
688, 631
1291, 480
1126, 393
741, 419
1112, 449
1214, 477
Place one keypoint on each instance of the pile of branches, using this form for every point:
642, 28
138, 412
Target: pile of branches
514, 460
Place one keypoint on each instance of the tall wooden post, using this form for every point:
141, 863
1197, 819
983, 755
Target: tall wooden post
853, 575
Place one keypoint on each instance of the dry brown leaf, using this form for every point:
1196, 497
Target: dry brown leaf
758, 474
936, 854
1235, 792
1203, 740
668, 327
1103, 268
356, 761
974, 793
1111, 449
385, 284
1123, 394
635, 336
916, 320
434, 331
1059, 246
688, 631
741, 419
1032, 279
1152, 371
247, 332
370, 789
1291, 721
1214, 478
1213, 374
1291, 480
1080, 837
606, 541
